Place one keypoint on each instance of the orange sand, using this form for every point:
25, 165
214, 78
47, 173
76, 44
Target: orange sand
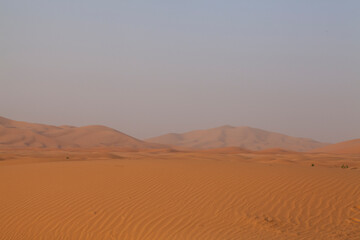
178, 195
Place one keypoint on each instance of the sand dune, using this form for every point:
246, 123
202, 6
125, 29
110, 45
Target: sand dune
276, 151
15, 134
165, 195
228, 150
352, 147
94, 182
244, 137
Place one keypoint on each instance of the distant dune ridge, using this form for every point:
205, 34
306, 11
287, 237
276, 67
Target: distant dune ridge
16, 134
352, 146
243, 137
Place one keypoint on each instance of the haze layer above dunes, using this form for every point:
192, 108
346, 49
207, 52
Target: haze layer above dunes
352, 147
244, 137
15, 134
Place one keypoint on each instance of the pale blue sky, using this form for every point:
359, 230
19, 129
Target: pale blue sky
152, 67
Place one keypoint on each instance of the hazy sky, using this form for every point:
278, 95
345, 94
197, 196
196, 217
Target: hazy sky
151, 67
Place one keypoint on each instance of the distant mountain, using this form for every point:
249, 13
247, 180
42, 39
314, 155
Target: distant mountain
243, 137
15, 134
352, 146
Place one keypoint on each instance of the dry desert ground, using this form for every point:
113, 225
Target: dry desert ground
164, 194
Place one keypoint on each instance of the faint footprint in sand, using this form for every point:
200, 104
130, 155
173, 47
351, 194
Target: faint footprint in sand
268, 222
356, 209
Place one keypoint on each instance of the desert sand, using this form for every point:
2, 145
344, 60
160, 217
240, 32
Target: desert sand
94, 182
168, 194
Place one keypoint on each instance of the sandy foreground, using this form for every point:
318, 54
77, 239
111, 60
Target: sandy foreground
175, 195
